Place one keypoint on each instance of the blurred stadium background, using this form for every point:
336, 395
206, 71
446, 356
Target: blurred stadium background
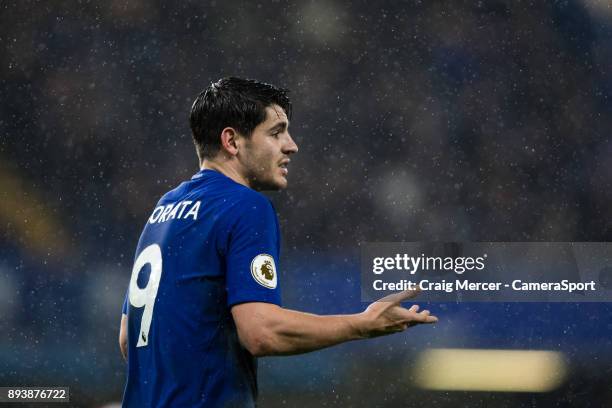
425, 120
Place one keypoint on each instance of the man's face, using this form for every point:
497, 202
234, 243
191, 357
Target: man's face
265, 155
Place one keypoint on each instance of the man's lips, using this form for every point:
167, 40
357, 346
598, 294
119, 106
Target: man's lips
283, 166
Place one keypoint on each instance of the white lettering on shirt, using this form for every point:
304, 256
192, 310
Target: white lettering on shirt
174, 211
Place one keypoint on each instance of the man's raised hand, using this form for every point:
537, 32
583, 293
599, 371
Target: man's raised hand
387, 316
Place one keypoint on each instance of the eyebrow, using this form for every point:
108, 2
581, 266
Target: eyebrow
280, 126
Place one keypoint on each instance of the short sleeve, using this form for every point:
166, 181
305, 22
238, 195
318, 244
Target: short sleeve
253, 252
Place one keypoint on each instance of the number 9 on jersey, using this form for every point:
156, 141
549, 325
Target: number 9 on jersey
145, 297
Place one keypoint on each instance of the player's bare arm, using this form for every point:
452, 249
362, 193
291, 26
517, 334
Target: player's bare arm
123, 340
267, 329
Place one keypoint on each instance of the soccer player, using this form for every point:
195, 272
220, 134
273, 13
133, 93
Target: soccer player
204, 294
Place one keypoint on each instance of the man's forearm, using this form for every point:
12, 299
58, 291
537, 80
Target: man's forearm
123, 342
267, 329
294, 332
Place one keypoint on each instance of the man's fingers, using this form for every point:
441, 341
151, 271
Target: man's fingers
412, 317
425, 317
399, 297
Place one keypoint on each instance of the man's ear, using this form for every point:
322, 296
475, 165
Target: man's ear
229, 141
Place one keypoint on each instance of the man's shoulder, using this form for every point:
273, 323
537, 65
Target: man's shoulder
247, 206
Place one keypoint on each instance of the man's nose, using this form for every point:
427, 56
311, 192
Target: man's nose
290, 147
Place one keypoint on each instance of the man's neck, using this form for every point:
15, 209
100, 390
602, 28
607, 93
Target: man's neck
226, 169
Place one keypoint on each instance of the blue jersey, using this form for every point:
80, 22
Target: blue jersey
209, 244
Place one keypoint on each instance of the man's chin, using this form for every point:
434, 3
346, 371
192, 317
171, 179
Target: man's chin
272, 185
282, 184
